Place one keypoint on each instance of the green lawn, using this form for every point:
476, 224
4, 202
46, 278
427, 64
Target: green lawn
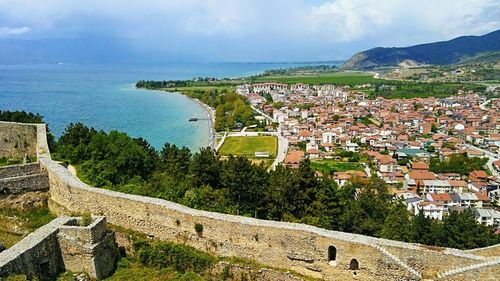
15, 223
330, 166
344, 78
247, 146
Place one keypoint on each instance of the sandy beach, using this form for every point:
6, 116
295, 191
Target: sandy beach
211, 121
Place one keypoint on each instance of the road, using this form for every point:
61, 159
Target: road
282, 149
492, 157
263, 114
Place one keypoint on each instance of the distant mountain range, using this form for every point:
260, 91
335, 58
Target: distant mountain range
461, 49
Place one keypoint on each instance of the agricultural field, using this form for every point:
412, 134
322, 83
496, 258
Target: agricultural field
329, 166
247, 146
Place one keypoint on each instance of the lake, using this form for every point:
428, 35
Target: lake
104, 96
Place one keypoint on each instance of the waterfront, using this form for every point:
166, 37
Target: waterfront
104, 96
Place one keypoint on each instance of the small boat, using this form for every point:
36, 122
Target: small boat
193, 119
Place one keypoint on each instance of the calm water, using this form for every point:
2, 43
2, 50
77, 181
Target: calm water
104, 97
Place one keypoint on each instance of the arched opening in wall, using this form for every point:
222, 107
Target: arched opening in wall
332, 255
354, 264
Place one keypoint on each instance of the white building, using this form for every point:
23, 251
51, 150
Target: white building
488, 217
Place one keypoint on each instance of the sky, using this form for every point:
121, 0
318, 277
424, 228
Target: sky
247, 30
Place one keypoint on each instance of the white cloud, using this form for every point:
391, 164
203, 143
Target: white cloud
8, 31
349, 20
301, 28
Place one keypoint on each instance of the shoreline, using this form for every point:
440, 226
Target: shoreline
209, 111
211, 121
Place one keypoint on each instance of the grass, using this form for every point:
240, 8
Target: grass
14, 223
342, 78
247, 146
7, 162
330, 166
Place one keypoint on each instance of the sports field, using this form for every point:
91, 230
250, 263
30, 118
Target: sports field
247, 146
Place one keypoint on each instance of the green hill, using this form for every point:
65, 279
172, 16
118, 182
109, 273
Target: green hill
445, 52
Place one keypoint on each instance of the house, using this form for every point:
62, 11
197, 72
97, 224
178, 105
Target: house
313, 153
419, 166
443, 198
431, 210
293, 158
487, 217
478, 176
341, 178
494, 196
352, 146
437, 186
386, 164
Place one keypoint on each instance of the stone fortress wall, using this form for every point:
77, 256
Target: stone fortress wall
312, 251
63, 245
17, 140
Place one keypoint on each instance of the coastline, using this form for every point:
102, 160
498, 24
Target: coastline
211, 121
209, 110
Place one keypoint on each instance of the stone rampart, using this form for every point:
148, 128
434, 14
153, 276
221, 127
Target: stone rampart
91, 249
63, 245
17, 140
37, 255
19, 170
313, 251
306, 249
23, 184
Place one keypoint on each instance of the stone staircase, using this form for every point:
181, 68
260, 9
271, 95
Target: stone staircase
399, 262
459, 270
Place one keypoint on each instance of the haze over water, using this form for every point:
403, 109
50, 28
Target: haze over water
104, 97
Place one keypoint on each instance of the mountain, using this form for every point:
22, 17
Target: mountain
445, 52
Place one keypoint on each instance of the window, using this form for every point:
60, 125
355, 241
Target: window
354, 264
332, 253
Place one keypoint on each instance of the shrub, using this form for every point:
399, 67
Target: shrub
199, 228
179, 257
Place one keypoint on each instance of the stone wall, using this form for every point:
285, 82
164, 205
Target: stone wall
37, 255
22, 184
63, 245
19, 170
91, 249
306, 249
17, 140
299, 247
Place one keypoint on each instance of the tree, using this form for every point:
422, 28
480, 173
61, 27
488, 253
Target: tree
204, 168
423, 230
397, 224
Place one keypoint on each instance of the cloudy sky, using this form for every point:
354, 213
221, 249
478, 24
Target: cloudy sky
249, 30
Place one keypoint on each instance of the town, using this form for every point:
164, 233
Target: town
438, 155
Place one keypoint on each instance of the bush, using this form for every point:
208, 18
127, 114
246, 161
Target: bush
199, 228
179, 257
124, 263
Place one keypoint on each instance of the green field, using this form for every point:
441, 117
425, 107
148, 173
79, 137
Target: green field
344, 78
330, 166
247, 146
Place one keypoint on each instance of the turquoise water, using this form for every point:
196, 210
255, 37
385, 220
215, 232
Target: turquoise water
104, 97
